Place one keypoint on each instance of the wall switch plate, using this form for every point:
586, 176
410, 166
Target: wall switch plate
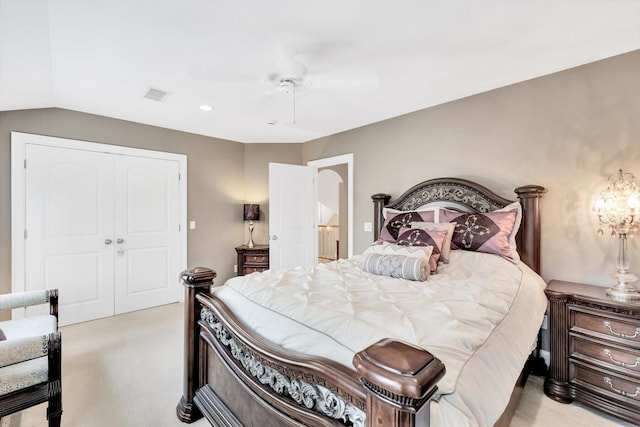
367, 226
235, 268
192, 225
545, 324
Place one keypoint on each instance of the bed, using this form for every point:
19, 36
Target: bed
339, 345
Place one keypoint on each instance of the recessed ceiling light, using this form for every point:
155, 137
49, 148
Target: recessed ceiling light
206, 107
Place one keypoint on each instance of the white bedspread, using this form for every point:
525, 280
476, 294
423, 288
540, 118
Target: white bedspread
479, 315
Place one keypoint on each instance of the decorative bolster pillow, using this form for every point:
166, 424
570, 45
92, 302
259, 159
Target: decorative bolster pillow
398, 266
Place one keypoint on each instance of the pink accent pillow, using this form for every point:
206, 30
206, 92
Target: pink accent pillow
492, 232
2, 336
418, 237
449, 227
396, 220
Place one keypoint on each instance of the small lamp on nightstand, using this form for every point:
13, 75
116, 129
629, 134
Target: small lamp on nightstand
251, 213
617, 207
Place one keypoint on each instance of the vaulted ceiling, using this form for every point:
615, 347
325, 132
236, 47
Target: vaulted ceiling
329, 65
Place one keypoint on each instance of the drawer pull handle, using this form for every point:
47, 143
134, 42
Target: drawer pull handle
607, 353
620, 334
621, 392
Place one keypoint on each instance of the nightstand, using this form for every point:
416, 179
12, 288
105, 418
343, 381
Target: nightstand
252, 259
595, 349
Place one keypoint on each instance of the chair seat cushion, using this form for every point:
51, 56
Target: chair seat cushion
25, 374
29, 326
15, 376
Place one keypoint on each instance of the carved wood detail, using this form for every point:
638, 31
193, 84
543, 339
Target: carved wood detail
305, 389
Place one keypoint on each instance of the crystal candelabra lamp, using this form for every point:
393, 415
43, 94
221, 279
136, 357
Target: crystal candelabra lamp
251, 212
617, 208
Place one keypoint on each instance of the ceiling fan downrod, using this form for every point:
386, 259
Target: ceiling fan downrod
286, 86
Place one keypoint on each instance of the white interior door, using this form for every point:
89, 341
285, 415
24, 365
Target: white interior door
292, 227
69, 229
103, 228
147, 239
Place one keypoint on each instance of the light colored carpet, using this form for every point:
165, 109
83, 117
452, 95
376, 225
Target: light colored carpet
127, 371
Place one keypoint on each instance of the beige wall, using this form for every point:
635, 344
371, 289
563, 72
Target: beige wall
567, 131
215, 178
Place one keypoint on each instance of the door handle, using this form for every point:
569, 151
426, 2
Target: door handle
108, 241
274, 237
120, 240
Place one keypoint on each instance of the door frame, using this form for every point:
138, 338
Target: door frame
332, 161
19, 142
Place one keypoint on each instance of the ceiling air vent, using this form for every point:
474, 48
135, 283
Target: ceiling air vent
156, 94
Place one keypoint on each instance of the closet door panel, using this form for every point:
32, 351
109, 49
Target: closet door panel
69, 226
147, 233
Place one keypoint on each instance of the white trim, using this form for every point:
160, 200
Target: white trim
19, 142
332, 161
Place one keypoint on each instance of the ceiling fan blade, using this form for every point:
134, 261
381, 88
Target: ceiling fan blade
353, 77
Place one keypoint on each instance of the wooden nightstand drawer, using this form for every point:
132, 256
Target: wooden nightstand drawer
606, 354
256, 259
608, 327
248, 270
612, 386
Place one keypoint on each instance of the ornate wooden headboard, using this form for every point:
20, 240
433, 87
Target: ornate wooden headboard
469, 196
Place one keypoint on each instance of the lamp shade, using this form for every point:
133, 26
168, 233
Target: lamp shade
251, 212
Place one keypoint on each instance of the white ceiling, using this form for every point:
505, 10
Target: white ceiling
367, 60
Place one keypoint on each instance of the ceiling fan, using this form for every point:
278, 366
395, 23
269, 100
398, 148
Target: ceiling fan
290, 76
289, 73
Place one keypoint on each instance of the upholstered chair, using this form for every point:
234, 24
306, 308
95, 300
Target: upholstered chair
30, 356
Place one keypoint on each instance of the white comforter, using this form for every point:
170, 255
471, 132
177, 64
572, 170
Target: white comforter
479, 315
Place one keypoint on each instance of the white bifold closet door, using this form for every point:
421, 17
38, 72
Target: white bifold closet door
103, 229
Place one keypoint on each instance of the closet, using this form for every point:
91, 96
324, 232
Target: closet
103, 227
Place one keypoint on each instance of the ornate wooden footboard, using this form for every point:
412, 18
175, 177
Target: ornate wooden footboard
235, 378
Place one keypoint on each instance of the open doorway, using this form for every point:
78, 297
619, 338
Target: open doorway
334, 201
331, 196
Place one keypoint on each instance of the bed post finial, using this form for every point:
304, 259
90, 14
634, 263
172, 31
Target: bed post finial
195, 281
528, 240
400, 380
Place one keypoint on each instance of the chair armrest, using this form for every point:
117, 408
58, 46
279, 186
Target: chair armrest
23, 349
26, 299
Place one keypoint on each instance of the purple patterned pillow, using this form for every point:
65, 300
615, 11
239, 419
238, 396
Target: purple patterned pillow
2, 336
488, 232
419, 237
396, 220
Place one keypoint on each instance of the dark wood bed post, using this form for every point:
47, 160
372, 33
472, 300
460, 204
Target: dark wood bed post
380, 200
196, 281
399, 380
529, 233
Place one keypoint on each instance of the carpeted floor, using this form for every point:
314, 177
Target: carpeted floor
126, 371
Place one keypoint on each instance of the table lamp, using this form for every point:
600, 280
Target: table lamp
251, 213
617, 207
